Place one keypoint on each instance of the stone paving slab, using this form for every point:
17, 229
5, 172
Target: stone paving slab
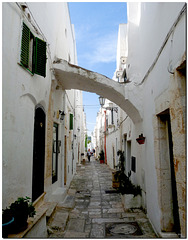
69, 202
59, 221
97, 231
88, 211
77, 235
76, 225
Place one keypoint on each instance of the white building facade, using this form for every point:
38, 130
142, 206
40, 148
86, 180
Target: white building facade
151, 63
43, 127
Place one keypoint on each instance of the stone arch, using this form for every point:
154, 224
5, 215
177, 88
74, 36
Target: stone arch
70, 76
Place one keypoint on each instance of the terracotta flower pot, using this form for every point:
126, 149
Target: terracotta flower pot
141, 139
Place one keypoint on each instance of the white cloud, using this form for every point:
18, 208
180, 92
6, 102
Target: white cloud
82, 31
105, 50
102, 50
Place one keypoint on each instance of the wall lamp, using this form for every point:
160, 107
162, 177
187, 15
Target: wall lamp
62, 113
102, 102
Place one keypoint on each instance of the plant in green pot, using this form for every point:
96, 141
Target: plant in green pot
7, 221
21, 209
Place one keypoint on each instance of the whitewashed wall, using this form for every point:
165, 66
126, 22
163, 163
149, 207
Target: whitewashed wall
22, 92
156, 47
148, 26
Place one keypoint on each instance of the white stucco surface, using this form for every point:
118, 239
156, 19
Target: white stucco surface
75, 77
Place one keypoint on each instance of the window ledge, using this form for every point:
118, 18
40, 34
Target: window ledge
40, 212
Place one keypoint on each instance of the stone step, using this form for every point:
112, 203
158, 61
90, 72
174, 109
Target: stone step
51, 206
58, 222
68, 203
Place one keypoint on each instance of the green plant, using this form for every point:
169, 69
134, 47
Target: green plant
23, 205
21, 209
126, 186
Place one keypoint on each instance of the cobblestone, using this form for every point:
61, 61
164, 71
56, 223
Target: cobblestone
90, 212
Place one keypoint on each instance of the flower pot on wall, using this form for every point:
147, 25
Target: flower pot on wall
141, 139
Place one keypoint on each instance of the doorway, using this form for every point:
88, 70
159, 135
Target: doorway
113, 151
125, 151
128, 158
55, 153
169, 200
38, 153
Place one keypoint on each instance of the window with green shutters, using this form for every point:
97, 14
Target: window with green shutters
40, 57
25, 46
71, 121
33, 52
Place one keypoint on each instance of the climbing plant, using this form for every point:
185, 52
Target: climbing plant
126, 186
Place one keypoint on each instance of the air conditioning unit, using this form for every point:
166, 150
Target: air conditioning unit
123, 60
119, 73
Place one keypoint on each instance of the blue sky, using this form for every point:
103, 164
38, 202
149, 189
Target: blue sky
96, 28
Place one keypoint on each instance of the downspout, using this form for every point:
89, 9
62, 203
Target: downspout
63, 143
105, 137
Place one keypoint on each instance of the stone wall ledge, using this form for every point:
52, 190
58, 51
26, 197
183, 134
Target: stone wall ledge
40, 212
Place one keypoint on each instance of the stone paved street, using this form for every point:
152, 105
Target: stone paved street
89, 212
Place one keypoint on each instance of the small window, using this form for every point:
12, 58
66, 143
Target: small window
33, 52
71, 122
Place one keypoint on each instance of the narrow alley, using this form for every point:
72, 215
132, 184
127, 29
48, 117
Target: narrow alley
90, 211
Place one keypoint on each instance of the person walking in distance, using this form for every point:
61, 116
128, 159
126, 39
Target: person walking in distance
89, 155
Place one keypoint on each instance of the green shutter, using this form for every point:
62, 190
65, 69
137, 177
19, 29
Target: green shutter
71, 121
25, 45
40, 57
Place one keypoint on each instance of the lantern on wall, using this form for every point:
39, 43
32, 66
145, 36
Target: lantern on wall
101, 101
62, 115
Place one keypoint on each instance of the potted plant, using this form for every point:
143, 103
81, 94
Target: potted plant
7, 220
119, 175
21, 209
131, 194
101, 156
141, 139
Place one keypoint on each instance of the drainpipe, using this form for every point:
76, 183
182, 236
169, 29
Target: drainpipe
105, 137
63, 143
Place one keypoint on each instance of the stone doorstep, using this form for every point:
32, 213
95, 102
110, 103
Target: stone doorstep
51, 206
40, 212
59, 221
